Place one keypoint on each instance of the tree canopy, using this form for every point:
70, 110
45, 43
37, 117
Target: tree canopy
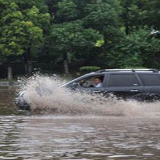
62, 36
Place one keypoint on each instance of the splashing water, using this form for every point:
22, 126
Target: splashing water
45, 96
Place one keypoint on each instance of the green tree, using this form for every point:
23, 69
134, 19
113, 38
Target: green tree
134, 14
98, 19
9, 43
36, 16
153, 13
136, 50
71, 39
21, 31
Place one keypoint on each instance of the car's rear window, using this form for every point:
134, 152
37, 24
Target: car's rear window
118, 80
150, 79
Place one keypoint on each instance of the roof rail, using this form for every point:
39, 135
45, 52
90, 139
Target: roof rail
126, 70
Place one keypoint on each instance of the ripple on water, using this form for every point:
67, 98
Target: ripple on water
47, 137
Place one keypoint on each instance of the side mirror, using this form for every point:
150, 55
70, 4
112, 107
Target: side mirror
74, 85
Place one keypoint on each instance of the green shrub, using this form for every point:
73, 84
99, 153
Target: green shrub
87, 69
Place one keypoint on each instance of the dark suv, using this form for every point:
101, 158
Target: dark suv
139, 84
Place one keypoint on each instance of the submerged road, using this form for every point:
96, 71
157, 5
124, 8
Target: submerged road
85, 137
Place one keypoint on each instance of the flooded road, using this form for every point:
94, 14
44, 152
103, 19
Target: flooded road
85, 137
7, 101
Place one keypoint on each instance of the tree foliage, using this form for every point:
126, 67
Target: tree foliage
69, 34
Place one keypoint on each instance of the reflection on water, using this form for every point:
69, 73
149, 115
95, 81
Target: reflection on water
87, 138
22, 137
7, 101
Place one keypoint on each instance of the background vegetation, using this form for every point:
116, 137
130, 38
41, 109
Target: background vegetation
68, 36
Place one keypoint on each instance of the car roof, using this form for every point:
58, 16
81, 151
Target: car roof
128, 71
105, 71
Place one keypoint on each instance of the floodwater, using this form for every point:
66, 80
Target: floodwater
26, 136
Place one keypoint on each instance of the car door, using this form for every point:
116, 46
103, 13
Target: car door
151, 82
123, 85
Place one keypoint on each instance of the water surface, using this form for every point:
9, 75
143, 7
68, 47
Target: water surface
87, 137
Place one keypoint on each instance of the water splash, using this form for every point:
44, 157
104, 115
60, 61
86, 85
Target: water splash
45, 96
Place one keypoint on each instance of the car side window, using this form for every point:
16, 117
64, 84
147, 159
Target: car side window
150, 79
93, 81
122, 80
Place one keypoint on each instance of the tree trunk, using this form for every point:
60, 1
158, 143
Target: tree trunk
127, 29
66, 70
10, 72
26, 66
30, 67
66, 66
27, 62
